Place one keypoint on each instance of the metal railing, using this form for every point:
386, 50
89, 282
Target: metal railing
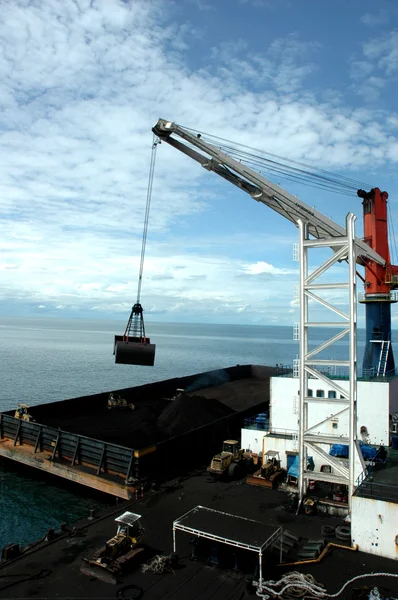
282, 432
366, 487
392, 296
377, 491
342, 374
70, 447
361, 478
253, 423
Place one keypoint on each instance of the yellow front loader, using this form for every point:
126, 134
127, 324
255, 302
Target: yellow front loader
232, 461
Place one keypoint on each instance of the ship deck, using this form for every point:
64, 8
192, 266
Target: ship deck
52, 569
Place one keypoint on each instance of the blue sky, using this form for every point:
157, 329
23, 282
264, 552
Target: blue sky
82, 83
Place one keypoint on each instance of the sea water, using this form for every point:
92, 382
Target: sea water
48, 360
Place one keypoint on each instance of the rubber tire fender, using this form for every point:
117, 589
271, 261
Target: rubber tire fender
343, 533
328, 530
135, 592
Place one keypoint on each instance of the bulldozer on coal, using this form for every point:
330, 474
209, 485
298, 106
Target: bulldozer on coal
116, 401
22, 412
112, 559
270, 473
232, 461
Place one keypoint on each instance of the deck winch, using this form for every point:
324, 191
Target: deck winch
133, 347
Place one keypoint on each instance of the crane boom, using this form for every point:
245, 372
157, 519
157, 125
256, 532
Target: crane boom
258, 187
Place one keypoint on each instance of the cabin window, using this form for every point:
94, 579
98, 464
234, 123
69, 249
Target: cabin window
331, 394
309, 393
320, 394
335, 425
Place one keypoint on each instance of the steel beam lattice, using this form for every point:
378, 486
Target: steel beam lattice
309, 363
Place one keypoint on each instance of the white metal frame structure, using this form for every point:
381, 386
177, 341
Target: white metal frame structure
310, 365
188, 523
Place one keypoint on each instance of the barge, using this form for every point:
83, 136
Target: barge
120, 451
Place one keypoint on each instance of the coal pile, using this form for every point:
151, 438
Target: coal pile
150, 422
189, 412
124, 427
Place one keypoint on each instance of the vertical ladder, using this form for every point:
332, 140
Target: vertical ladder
385, 347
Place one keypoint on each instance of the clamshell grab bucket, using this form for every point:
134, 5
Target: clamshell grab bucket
129, 350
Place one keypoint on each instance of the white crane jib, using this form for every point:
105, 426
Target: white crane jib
258, 187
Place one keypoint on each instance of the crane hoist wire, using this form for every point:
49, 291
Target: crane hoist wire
133, 347
287, 168
135, 326
146, 218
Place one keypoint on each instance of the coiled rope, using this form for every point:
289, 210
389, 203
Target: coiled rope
299, 585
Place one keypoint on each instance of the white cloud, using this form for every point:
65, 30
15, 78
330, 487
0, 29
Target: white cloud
203, 5
261, 267
81, 85
384, 52
378, 66
283, 65
258, 3
380, 18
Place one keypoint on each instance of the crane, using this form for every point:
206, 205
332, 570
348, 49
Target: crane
381, 277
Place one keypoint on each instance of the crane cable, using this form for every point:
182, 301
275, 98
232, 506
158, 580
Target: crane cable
135, 325
322, 174
330, 182
147, 209
298, 172
287, 168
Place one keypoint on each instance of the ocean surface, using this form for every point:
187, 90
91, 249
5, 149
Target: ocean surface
48, 360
